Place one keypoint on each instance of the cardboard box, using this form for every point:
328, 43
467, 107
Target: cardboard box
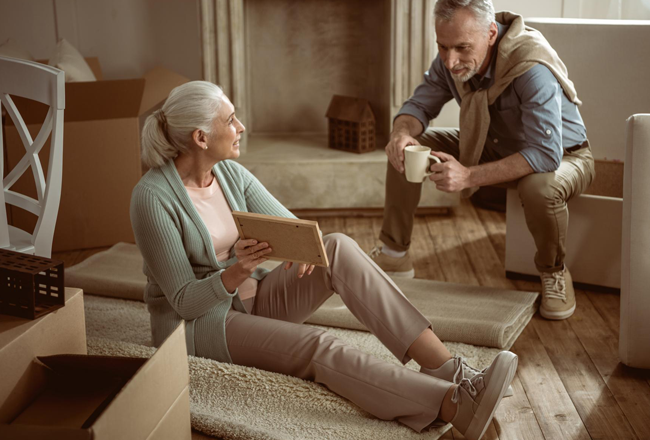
101, 155
100, 397
21, 340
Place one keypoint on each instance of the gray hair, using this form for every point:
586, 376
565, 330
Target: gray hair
483, 10
168, 131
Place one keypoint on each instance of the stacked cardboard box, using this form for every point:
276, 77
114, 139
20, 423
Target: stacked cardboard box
51, 389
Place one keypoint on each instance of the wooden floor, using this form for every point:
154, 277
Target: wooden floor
570, 384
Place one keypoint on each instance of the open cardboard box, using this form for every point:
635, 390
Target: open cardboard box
21, 340
101, 155
99, 397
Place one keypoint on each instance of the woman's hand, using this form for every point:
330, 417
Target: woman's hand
302, 268
250, 254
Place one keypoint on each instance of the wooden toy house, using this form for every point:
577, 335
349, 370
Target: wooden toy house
351, 124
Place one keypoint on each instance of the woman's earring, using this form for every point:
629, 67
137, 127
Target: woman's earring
205, 148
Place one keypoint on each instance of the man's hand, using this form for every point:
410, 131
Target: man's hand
450, 175
395, 149
250, 254
405, 128
302, 268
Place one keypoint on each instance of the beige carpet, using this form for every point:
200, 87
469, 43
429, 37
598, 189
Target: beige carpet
476, 315
239, 403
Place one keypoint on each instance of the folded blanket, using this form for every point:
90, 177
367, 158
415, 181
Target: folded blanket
485, 316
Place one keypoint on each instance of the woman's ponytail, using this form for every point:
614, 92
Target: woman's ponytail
168, 131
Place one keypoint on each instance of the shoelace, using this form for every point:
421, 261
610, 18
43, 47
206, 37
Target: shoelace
374, 253
554, 285
468, 385
460, 366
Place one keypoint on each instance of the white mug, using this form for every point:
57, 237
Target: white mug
416, 163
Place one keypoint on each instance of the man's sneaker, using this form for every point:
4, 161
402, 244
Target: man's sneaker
558, 296
395, 267
455, 370
479, 397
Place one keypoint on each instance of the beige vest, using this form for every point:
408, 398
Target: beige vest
519, 50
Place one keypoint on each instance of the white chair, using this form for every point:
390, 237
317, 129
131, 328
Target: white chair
44, 84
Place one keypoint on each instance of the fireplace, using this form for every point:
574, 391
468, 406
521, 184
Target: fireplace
280, 62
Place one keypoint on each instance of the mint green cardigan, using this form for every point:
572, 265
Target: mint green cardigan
183, 274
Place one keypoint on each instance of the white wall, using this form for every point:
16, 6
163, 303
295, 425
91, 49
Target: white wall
132, 36
128, 36
606, 9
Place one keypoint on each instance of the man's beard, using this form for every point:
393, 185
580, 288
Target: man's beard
470, 72
465, 77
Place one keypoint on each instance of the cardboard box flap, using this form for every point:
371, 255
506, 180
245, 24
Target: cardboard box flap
23, 432
159, 82
113, 99
93, 63
71, 401
84, 365
167, 366
88, 101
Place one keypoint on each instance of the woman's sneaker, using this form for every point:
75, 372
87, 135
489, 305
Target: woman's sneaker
456, 369
478, 398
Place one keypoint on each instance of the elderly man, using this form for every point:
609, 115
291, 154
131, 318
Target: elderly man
519, 123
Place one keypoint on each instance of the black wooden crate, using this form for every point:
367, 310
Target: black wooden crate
30, 286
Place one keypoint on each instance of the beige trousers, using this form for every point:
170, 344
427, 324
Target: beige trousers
273, 338
544, 198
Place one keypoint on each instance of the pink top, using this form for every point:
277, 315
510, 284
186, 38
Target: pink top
215, 212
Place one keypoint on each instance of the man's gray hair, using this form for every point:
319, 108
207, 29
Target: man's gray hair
483, 10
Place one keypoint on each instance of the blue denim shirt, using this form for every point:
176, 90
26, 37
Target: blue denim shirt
532, 116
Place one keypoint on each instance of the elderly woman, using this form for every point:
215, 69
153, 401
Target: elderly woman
234, 311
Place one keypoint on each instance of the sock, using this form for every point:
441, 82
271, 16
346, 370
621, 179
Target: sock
392, 252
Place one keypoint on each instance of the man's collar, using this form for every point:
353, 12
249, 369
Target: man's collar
502, 29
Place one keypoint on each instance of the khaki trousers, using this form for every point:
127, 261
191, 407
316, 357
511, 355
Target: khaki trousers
273, 338
544, 198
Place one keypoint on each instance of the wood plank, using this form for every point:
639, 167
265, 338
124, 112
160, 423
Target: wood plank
363, 212
376, 224
425, 260
594, 402
490, 434
329, 225
495, 225
453, 260
609, 308
601, 344
484, 260
360, 230
557, 416
447, 435
515, 418
69, 258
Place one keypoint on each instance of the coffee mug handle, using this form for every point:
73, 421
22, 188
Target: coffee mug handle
436, 159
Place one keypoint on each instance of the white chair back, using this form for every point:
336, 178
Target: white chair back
44, 84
